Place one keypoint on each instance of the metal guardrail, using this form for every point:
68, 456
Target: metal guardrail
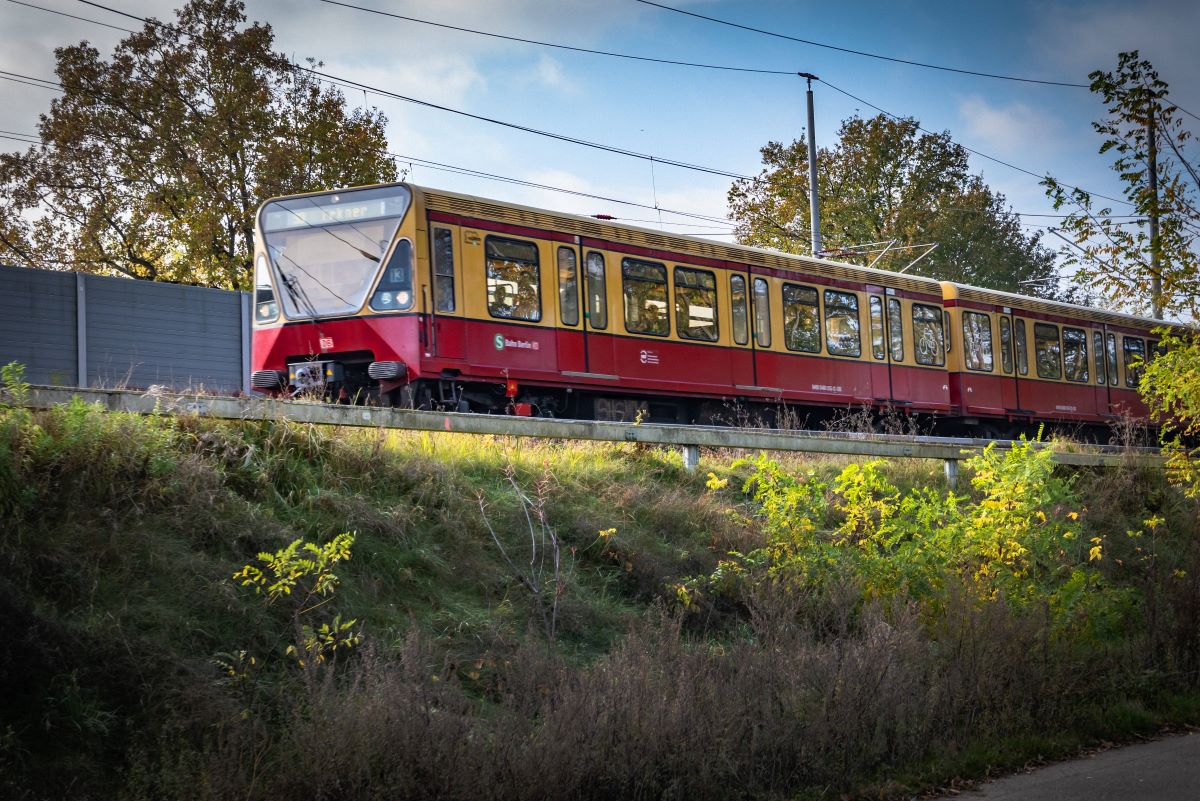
689, 438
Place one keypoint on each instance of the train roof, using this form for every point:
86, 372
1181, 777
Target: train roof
952, 290
515, 214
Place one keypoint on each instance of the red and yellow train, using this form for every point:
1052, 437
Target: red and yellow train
417, 297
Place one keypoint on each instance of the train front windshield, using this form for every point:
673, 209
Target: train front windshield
326, 250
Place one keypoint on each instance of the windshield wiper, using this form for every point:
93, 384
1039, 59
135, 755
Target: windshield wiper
296, 292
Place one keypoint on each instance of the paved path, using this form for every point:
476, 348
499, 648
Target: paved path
1163, 770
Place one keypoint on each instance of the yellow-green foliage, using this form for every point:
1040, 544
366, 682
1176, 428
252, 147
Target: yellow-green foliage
302, 574
1019, 536
1170, 385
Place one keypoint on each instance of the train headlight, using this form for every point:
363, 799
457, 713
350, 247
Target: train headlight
388, 300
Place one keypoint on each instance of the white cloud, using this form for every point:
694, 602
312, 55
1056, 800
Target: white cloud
549, 73
1079, 38
1012, 130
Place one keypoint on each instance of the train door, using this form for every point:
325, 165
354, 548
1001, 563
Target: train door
1107, 404
1099, 365
760, 306
899, 384
1010, 388
741, 356
445, 333
569, 334
597, 328
881, 363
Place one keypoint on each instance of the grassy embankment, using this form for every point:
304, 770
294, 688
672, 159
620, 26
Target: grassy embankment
867, 638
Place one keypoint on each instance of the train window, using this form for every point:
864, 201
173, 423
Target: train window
977, 341
1022, 347
443, 269
265, 307
645, 287
928, 335
895, 329
696, 304
949, 330
1135, 354
1075, 355
738, 309
1047, 351
801, 320
1098, 350
1110, 356
597, 295
513, 279
1006, 360
568, 287
842, 334
394, 291
877, 350
762, 312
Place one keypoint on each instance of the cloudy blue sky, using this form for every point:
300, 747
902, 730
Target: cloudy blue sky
706, 117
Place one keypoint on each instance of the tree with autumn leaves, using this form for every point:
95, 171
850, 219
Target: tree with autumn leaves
153, 161
1152, 262
887, 181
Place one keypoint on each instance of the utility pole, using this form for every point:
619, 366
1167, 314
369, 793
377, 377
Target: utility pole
1156, 303
814, 211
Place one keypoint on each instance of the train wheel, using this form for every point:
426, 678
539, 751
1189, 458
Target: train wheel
990, 431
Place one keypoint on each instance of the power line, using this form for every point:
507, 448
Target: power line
559, 46
7, 77
586, 143
492, 120
1175, 105
982, 155
861, 52
442, 166
527, 129
608, 148
72, 16
19, 138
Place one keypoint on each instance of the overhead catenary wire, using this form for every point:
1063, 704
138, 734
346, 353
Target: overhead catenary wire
586, 143
864, 53
491, 120
72, 16
443, 166
982, 155
336, 80
558, 46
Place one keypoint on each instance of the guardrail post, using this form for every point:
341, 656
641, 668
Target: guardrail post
951, 468
691, 457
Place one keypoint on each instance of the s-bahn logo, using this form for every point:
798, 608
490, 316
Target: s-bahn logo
501, 342
648, 357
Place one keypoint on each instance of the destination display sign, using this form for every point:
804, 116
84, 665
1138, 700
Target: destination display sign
331, 209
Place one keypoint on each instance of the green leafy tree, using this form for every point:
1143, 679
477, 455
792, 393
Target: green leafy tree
1114, 250
886, 180
1170, 385
152, 162
1137, 268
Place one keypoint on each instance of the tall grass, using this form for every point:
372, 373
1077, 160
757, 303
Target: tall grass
126, 648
